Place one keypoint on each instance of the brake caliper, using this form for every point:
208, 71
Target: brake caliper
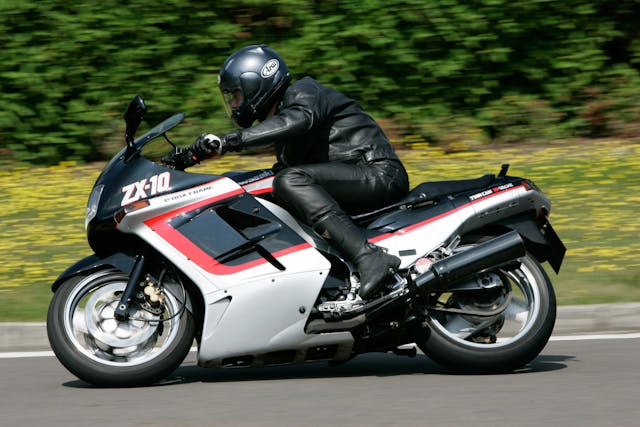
153, 297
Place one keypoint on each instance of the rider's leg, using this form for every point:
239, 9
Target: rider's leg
374, 265
318, 193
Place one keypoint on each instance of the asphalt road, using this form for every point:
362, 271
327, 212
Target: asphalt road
576, 382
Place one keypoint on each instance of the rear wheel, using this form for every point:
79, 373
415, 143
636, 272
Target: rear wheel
101, 350
499, 328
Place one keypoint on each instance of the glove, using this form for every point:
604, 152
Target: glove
232, 142
207, 145
181, 158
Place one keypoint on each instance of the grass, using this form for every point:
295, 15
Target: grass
594, 188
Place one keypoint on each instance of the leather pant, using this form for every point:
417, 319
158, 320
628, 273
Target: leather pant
311, 192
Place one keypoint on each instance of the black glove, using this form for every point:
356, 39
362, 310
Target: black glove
232, 142
181, 158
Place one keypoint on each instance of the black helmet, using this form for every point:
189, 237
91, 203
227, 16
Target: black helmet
251, 81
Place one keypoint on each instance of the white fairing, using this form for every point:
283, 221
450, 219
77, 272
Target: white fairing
249, 311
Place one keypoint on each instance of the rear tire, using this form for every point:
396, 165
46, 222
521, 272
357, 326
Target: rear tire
104, 352
518, 337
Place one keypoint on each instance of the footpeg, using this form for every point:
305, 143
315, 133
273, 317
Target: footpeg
354, 305
335, 309
397, 283
405, 351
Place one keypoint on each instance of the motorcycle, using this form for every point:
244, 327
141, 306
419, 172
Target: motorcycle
180, 256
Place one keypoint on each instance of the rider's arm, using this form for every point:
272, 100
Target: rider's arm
300, 111
290, 122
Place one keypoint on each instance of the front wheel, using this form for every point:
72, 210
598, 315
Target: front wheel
101, 350
498, 329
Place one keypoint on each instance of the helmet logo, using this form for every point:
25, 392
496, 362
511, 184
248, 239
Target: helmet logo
270, 68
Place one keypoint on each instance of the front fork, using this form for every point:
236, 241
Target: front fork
121, 313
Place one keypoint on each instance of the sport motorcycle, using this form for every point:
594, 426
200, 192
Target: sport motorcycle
184, 256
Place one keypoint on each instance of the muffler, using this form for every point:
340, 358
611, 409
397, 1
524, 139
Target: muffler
490, 254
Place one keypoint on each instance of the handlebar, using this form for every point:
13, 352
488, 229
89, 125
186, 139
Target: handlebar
180, 158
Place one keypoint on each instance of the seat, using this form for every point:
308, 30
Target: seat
437, 189
427, 191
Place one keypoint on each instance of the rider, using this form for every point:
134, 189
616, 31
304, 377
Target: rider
333, 158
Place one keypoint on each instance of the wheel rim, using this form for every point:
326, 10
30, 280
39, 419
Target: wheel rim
90, 325
514, 322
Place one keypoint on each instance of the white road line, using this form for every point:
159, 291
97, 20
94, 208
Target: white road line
24, 354
588, 337
585, 337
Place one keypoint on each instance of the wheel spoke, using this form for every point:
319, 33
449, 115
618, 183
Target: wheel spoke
78, 322
479, 328
458, 326
517, 311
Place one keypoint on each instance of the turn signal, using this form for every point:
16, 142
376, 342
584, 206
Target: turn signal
130, 208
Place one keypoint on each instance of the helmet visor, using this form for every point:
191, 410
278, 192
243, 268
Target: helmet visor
232, 100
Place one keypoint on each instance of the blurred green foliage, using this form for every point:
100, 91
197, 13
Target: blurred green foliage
436, 70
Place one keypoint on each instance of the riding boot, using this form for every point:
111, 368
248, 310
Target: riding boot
374, 265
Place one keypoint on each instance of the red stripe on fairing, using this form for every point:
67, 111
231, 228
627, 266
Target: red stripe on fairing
261, 190
204, 260
160, 225
438, 217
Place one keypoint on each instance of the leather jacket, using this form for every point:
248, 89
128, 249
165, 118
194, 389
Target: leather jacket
317, 124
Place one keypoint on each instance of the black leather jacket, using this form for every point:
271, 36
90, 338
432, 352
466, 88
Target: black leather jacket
316, 124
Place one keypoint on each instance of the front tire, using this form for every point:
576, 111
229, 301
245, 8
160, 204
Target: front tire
102, 351
509, 340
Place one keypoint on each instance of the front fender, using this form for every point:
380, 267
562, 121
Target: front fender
119, 260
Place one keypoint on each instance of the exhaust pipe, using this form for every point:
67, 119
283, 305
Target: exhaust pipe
481, 257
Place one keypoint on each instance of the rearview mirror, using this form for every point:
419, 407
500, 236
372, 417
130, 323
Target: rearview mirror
133, 117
